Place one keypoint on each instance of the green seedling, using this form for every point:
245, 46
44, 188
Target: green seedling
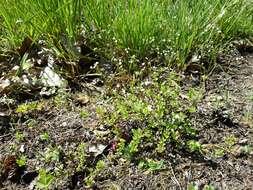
89, 180
31, 123
100, 165
155, 165
81, 156
230, 140
52, 154
21, 161
28, 107
218, 152
24, 65
44, 136
195, 146
192, 187
247, 149
137, 136
45, 179
250, 98
19, 136
209, 187
84, 114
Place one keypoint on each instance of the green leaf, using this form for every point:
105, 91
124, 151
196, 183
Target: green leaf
45, 179
24, 65
155, 165
44, 136
21, 161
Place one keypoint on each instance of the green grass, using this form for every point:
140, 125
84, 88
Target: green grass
172, 30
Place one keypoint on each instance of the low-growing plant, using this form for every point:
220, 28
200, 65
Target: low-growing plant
90, 179
247, 149
32, 123
209, 187
194, 146
61, 99
160, 108
151, 165
44, 180
44, 136
230, 140
248, 117
84, 114
52, 154
24, 65
19, 136
21, 161
80, 155
219, 152
30, 106
136, 141
100, 165
191, 186
101, 111
250, 98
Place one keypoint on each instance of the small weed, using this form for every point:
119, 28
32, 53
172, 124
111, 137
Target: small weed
28, 107
195, 146
21, 161
250, 98
19, 136
227, 146
61, 100
52, 154
81, 155
101, 111
230, 140
195, 95
218, 152
218, 102
100, 165
248, 117
45, 179
31, 123
209, 187
191, 186
247, 149
137, 136
90, 179
44, 136
151, 165
84, 114
24, 65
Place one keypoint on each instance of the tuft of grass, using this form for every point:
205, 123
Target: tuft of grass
56, 21
172, 30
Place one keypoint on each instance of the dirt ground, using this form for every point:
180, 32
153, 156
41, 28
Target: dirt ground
223, 120
225, 111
